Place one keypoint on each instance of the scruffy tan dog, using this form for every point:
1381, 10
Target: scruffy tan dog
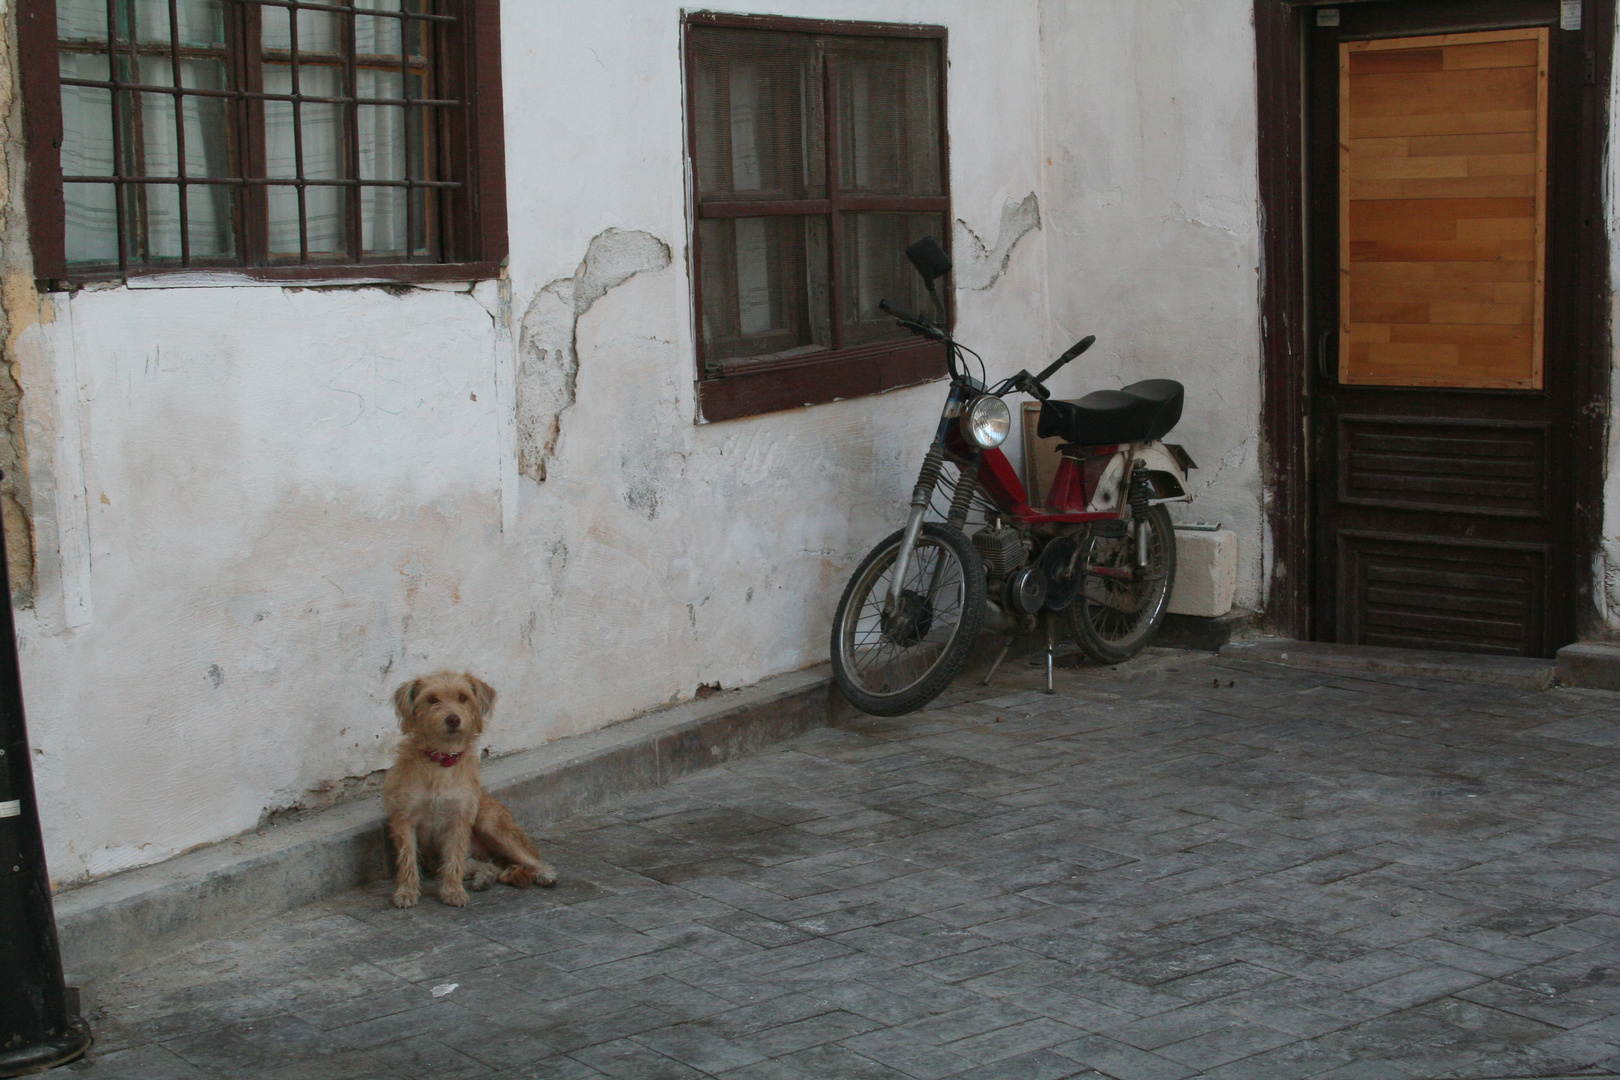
435, 798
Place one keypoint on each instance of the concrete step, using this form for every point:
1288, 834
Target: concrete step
121, 922
1592, 665
1525, 672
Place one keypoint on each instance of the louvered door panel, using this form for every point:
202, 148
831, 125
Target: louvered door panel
1418, 592
1419, 463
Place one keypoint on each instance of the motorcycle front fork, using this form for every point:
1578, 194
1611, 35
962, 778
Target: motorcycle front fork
921, 497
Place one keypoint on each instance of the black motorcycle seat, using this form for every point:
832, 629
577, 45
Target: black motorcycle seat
1139, 412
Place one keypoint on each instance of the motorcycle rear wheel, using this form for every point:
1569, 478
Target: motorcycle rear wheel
1113, 620
888, 665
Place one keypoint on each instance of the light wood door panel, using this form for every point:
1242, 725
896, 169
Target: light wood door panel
1442, 262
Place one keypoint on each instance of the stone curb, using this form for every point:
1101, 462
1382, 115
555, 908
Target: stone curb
1523, 672
1590, 665
113, 925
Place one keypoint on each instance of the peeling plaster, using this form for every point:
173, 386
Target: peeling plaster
21, 307
979, 266
548, 360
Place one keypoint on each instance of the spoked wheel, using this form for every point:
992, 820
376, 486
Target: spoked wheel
891, 662
1114, 617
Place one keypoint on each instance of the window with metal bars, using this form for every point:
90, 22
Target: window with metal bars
818, 155
291, 138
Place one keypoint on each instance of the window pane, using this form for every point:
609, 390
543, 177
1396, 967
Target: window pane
207, 143
161, 206
91, 233
81, 20
202, 22
765, 288
321, 124
380, 83
209, 208
382, 221
374, 35
876, 268
324, 221
318, 31
151, 20
382, 141
888, 117
87, 148
759, 122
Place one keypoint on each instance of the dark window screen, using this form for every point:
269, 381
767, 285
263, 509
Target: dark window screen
817, 159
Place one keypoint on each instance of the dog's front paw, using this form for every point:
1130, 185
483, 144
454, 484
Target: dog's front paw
455, 895
404, 898
545, 876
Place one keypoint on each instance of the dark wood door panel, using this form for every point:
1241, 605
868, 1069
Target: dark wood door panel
1420, 592
1489, 467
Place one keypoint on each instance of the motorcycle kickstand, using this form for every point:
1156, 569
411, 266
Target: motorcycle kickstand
1051, 635
1000, 656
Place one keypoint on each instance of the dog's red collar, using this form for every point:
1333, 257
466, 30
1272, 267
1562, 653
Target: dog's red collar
446, 760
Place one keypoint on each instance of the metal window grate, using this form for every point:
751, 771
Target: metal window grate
256, 132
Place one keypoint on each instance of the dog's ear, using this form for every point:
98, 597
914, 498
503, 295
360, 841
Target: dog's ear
405, 700
483, 693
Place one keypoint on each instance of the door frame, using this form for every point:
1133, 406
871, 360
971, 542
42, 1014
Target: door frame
1285, 330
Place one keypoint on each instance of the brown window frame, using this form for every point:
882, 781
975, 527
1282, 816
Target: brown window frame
474, 244
842, 371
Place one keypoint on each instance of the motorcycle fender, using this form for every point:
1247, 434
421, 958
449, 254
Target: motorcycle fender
1105, 499
1164, 468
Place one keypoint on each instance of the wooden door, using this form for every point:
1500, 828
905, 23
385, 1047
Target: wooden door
1443, 508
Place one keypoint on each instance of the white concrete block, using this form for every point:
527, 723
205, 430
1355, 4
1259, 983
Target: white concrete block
1206, 573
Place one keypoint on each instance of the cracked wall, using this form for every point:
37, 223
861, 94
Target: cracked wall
979, 265
548, 354
262, 507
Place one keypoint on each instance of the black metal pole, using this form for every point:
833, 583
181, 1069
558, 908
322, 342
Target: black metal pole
37, 1031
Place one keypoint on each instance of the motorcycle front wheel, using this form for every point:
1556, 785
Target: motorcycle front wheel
892, 662
1114, 618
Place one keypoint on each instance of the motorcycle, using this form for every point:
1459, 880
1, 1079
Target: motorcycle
1100, 550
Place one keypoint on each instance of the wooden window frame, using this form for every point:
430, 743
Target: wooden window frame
473, 152
840, 372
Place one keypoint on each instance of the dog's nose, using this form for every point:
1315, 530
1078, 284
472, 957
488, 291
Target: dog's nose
452, 721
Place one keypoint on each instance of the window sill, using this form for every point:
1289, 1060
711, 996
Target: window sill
198, 277
853, 373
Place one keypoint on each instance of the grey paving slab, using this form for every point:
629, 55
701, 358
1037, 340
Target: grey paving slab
1184, 866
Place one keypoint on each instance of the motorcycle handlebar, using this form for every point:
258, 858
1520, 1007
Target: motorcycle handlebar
915, 323
1074, 350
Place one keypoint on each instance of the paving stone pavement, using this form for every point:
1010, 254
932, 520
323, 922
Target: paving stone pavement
1180, 867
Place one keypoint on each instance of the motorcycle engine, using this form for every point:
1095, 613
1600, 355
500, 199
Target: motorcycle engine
1002, 549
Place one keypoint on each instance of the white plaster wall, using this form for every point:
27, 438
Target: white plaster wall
1152, 232
1607, 568
259, 509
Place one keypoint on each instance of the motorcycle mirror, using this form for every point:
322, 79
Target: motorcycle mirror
929, 259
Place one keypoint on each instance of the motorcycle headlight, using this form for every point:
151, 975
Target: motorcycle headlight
987, 422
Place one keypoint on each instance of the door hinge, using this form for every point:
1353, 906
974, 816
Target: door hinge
1591, 68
